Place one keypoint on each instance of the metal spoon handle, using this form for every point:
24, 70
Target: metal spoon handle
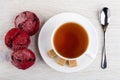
104, 60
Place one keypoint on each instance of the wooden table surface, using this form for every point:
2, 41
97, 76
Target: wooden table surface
46, 9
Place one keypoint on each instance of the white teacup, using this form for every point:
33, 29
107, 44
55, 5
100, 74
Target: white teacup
74, 44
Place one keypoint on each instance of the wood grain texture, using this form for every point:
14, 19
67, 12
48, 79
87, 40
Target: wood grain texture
46, 9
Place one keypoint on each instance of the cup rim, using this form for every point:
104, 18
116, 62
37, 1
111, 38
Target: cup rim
52, 43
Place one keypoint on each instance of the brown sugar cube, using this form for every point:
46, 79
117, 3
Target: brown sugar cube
61, 61
72, 63
51, 53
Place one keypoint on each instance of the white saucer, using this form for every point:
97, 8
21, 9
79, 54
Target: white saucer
44, 41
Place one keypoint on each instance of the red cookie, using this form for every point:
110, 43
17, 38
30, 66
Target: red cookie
28, 21
17, 39
23, 59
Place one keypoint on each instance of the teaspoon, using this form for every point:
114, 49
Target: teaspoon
104, 21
